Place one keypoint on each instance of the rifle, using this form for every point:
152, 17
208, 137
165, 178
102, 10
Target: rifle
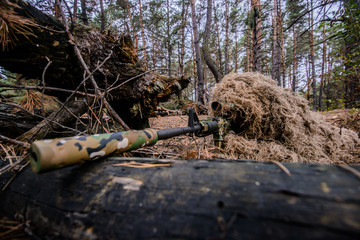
51, 154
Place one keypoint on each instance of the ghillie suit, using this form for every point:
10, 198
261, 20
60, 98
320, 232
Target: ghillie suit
273, 123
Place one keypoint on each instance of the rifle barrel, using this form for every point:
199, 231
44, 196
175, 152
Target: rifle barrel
172, 132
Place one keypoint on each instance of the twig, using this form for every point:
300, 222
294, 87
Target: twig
22, 167
350, 169
130, 79
43, 83
282, 167
92, 79
50, 30
13, 141
46, 88
141, 165
71, 113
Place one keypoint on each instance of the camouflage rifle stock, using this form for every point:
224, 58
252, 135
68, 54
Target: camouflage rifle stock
50, 154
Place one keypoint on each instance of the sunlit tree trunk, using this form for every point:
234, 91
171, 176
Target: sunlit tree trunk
199, 69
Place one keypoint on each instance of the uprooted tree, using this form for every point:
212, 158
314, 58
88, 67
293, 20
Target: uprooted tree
102, 71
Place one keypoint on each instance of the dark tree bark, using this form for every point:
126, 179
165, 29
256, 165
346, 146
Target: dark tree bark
113, 61
187, 200
15, 121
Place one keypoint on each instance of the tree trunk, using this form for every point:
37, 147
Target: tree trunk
205, 49
102, 16
168, 38
153, 47
187, 200
322, 64
275, 69
143, 37
249, 51
219, 55
256, 35
312, 58
184, 14
294, 80
84, 16
282, 44
236, 52
113, 61
75, 11
226, 50
132, 26
199, 70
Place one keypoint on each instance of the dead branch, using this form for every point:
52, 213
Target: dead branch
14, 142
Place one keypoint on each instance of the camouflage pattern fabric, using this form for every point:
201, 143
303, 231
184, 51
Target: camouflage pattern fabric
56, 153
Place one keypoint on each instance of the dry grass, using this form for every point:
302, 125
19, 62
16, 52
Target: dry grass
275, 124
32, 100
12, 25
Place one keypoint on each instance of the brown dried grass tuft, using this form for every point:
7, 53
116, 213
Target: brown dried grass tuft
32, 100
11, 24
275, 124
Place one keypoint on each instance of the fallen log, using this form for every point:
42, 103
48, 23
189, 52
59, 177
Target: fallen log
173, 199
112, 60
15, 121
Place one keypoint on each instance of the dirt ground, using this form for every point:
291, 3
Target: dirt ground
182, 146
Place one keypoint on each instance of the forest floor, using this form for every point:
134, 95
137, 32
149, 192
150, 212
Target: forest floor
183, 146
344, 118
